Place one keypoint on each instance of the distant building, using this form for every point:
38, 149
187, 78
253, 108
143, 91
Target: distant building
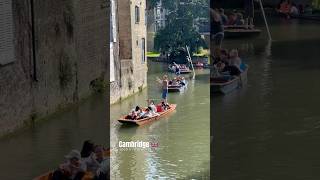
128, 65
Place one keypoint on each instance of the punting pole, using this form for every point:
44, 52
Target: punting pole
265, 19
190, 61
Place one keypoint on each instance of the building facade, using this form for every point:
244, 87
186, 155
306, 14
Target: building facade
52, 53
128, 59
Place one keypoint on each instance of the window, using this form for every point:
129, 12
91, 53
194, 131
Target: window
137, 14
6, 33
143, 50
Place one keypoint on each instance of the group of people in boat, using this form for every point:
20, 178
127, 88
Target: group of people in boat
152, 110
176, 68
177, 81
227, 64
90, 159
220, 19
234, 18
290, 8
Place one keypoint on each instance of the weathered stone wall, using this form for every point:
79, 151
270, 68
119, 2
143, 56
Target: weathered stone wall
15, 78
71, 38
133, 69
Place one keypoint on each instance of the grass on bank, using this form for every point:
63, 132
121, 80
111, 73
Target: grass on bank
202, 53
153, 54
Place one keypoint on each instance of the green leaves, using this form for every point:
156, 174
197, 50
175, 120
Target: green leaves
180, 30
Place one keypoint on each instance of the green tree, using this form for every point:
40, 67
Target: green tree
179, 30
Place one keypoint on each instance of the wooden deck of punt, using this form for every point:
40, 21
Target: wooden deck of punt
227, 87
241, 32
149, 119
87, 176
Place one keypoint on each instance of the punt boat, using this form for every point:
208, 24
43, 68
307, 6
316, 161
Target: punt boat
147, 120
221, 86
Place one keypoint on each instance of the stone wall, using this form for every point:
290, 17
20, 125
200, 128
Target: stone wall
15, 78
132, 76
71, 39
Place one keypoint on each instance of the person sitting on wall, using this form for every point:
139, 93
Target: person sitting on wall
73, 169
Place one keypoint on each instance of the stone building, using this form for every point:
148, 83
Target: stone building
128, 66
52, 54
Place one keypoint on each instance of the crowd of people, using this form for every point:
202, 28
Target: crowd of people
290, 8
227, 64
91, 159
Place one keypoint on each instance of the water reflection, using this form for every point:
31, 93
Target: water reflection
269, 130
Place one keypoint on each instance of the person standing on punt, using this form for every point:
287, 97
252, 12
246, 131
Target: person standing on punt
164, 83
217, 27
249, 13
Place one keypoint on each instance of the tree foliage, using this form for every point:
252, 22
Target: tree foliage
179, 30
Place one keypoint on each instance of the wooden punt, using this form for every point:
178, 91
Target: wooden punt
88, 175
240, 32
182, 70
222, 87
177, 88
144, 121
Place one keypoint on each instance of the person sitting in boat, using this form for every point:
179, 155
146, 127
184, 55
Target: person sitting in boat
152, 105
182, 81
240, 20
164, 106
141, 114
103, 173
235, 60
285, 7
294, 10
134, 113
224, 17
150, 113
232, 19
89, 157
73, 169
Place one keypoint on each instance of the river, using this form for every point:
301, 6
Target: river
270, 129
183, 136
35, 150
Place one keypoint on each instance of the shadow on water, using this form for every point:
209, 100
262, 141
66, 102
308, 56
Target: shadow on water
271, 129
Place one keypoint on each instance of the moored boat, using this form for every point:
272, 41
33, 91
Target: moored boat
147, 120
219, 85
